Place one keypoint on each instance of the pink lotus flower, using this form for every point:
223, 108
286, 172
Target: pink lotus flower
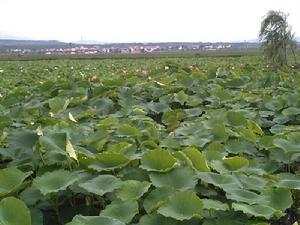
93, 78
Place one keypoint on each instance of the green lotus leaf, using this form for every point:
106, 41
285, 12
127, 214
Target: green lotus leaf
266, 142
291, 111
52, 182
245, 196
235, 83
193, 112
11, 180
112, 83
36, 216
196, 159
219, 132
127, 130
194, 135
126, 97
21, 142
217, 115
132, 190
108, 122
275, 104
122, 211
198, 139
180, 178
287, 180
257, 223
252, 182
157, 198
172, 118
95, 138
213, 157
5, 121
109, 161
58, 104
224, 181
194, 100
284, 144
104, 106
31, 196
181, 97
254, 127
22, 139
54, 142
280, 129
170, 142
237, 146
158, 107
124, 148
219, 166
237, 220
134, 173
14, 212
156, 219
92, 220
255, 210
187, 81
158, 160
246, 134
281, 119
57, 147
280, 198
288, 146
148, 145
235, 163
210, 204
101, 184
221, 94
280, 155
182, 206
236, 119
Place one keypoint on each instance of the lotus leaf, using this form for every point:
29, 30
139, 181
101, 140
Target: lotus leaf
158, 160
157, 198
109, 161
92, 220
52, 182
180, 178
211, 204
255, 210
101, 184
236, 118
122, 211
196, 159
132, 190
14, 212
11, 180
182, 206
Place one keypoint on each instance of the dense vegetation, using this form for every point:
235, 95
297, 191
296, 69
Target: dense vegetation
277, 37
212, 141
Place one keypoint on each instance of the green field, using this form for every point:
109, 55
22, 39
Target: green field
149, 140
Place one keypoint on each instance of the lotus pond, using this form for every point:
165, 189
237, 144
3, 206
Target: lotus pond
197, 141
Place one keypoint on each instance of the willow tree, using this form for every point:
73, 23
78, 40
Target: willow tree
277, 37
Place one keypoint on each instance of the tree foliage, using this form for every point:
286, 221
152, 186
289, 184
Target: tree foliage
277, 37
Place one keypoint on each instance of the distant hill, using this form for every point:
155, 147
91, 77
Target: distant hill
6, 45
32, 44
90, 42
12, 42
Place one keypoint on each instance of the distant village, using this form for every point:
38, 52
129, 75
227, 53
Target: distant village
126, 48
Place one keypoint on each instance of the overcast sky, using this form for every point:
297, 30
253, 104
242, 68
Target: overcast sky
140, 20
